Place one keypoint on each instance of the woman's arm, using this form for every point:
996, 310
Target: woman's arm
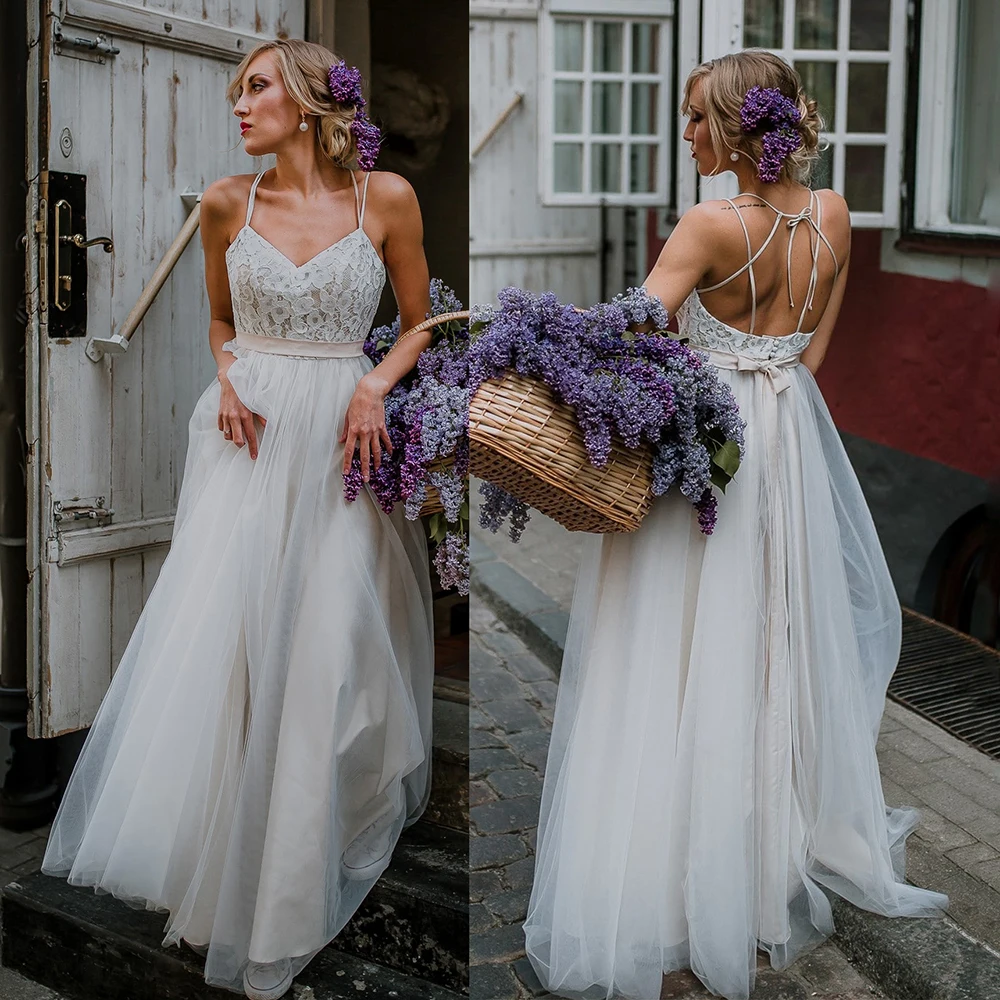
686, 257
218, 205
403, 250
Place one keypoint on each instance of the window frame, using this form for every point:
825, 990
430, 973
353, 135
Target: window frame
724, 33
930, 108
660, 12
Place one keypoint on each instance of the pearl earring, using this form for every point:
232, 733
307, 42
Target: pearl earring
303, 127
734, 155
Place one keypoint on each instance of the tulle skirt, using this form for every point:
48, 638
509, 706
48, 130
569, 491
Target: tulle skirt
275, 697
712, 763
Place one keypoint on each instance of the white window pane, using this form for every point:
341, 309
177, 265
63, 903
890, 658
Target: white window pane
819, 80
567, 167
569, 46
870, 25
762, 23
608, 38
645, 47
867, 93
642, 169
606, 108
864, 178
975, 194
606, 168
568, 107
822, 171
644, 108
816, 24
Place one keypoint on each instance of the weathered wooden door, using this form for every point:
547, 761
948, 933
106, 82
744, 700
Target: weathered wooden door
126, 111
515, 239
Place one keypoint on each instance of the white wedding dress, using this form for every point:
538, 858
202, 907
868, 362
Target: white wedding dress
275, 697
712, 763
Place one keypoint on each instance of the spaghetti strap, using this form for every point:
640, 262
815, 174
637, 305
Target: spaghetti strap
364, 200
253, 195
357, 199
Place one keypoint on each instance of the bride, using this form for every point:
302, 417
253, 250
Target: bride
712, 766
267, 733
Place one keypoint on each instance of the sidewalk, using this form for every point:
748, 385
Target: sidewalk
955, 849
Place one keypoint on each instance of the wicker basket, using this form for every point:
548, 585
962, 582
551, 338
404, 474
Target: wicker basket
432, 502
525, 441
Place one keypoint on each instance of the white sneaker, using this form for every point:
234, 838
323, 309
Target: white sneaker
267, 980
369, 848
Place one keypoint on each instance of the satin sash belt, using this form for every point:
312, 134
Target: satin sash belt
774, 370
300, 348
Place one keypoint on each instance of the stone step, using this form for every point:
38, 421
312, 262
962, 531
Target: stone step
416, 918
414, 922
449, 801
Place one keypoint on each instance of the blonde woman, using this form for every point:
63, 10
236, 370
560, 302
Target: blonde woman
267, 733
712, 767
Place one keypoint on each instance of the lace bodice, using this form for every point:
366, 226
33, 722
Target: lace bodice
705, 332
331, 298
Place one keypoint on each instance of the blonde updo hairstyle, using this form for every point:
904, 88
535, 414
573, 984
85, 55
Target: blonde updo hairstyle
725, 82
304, 67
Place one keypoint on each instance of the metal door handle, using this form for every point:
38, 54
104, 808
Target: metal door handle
78, 241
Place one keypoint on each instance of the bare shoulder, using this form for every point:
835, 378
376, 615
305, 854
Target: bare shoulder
835, 220
392, 190
223, 202
705, 219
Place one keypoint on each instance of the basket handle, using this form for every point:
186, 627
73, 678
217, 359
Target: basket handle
429, 324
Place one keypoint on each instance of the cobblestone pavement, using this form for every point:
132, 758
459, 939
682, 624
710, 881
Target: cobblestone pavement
513, 694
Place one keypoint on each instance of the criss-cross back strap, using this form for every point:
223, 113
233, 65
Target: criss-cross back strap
748, 266
794, 218
253, 194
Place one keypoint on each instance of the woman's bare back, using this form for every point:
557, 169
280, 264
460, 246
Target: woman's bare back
777, 312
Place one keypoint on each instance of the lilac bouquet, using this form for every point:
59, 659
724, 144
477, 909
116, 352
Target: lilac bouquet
427, 417
644, 386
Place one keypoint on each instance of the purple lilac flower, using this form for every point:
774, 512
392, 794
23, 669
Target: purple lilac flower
345, 87
451, 560
641, 387
767, 112
427, 417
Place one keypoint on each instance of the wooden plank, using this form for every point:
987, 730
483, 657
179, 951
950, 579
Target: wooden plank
163, 214
176, 31
128, 106
78, 401
126, 602
113, 540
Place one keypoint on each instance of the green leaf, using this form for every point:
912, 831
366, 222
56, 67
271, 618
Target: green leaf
720, 478
727, 458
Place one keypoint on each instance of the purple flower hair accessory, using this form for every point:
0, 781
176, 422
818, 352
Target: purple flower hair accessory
345, 86
768, 113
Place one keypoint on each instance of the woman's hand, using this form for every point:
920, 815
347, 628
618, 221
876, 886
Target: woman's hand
235, 420
364, 424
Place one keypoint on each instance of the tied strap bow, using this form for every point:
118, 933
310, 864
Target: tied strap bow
775, 370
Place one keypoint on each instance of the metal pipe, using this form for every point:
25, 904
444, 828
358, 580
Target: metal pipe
118, 343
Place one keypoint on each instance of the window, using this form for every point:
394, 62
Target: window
604, 104
851, 57
955, 160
